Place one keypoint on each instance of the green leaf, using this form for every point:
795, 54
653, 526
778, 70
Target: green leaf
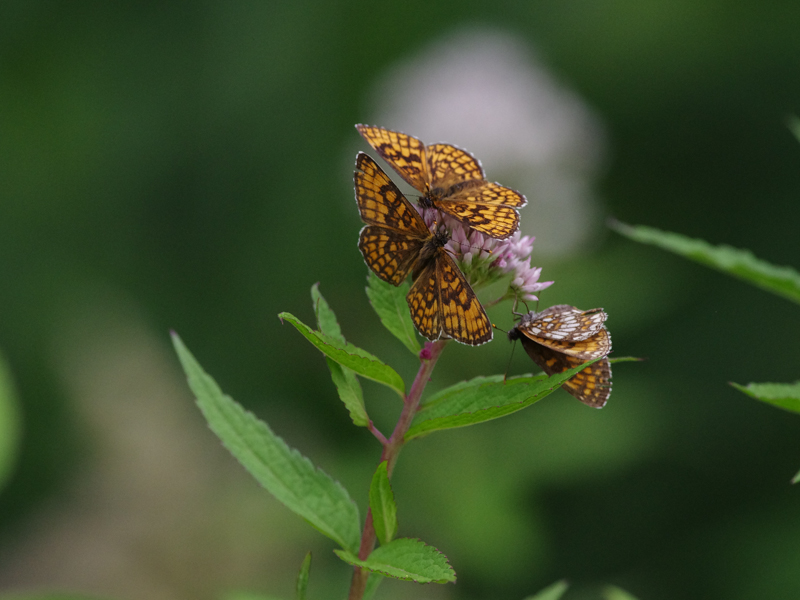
346, 382
302, 577
10, 423
347, 355
283, 471
453, 395
326, 319
381, 501
783, 281
614, 593
349, 390
551, 592
408, 559
484, 398
390, 304
622, 359
782, 395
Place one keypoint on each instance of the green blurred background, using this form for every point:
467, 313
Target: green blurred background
188, 166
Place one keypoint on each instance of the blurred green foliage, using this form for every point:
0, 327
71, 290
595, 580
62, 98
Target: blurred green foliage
193, 160
10, 434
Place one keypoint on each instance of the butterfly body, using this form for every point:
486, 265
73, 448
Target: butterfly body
562, 337
450, 179
429, 252
396, 242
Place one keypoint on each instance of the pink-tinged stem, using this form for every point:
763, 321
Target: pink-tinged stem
391, 449
376, 432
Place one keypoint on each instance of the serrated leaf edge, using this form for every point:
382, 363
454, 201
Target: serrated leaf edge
208, 381
360, 563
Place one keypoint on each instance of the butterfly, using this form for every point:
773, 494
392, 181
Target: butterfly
450, 180
562, 337
396, 242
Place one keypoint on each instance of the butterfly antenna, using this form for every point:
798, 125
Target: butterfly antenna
513, 345
480, 249
508, 366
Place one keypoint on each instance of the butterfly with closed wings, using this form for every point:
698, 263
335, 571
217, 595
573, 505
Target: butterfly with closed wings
562, 337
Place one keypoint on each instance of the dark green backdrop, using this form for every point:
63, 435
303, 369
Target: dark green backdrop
187, 159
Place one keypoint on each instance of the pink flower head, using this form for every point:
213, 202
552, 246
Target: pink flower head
469, 245
484, 259
514, 256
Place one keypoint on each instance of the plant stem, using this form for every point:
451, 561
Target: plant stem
376, 432
391, 450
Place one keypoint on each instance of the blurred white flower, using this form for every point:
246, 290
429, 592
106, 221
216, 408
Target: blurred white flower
485, 91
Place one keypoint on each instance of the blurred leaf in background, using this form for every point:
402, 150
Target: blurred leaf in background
10, 423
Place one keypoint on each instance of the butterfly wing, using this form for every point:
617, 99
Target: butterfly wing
442, 301
424, 302
462, 315
381, 203
480, 207
449, 165
452, 178
592, 385
405, 154
597, 345
563, 322
459, 188
390, 254
396, 232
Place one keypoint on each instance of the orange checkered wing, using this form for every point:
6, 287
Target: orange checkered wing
592, 385
381, 203
449, 165
395, 233
424, 303
443, 303
463, 317
450, 179
390, 254
494, 220
458, 187
405, 154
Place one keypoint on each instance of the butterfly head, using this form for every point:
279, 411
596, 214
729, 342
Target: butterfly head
514, 334
426, 200
440, 237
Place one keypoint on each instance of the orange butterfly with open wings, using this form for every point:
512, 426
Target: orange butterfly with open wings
396, 242
450, 180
